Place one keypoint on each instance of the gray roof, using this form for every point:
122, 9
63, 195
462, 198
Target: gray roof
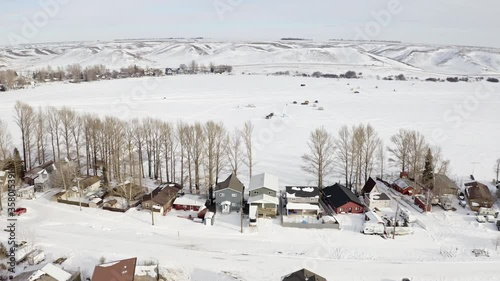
231, 182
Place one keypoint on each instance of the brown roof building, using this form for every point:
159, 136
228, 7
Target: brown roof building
303, 275
479, 195
162, 198
123, 270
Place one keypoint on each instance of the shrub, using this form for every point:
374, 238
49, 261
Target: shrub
350, 74
401, 77
317, 74
492, 80
431, 79
452, 79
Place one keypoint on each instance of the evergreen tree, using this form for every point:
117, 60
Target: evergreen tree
428, 174
15, 164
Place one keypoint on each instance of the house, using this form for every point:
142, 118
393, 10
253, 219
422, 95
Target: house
162, 198
49, 272
189, 202
303, 275
169, 71
443, 186
229, 194
263, 193
26, 192
123, 270
370, 186
479, 195
40, 176
377, 200
90, 185
302, 200
342, 200
406, 186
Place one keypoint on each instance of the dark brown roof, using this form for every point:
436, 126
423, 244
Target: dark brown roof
164, 193
443, 185
303, 275
479, 191
338, 195
88, 181
369, 185
123, 270
231, 182
45, 166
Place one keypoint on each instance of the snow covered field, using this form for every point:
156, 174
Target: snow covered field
461, 117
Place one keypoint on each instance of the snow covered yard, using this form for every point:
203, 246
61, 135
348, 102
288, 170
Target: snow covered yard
190, 250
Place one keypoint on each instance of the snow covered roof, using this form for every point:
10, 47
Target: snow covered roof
264, 180
301, 206
302, 191
51, 270
190, 200
378, 196
263, 199
28, 188
56, 272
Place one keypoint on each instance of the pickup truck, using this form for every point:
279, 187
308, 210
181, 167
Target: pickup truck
19, 211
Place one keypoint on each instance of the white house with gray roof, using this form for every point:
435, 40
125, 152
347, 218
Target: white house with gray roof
263, 192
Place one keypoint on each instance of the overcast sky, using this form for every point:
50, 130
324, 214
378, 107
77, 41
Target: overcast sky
463, 22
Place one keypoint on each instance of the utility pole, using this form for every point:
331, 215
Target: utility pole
241, 213
152, 213
473, 166
79, 191
395, 219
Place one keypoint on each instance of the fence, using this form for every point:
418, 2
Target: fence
73, 203
312, 225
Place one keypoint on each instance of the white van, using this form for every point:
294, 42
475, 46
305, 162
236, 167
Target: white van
480, 219
490, 218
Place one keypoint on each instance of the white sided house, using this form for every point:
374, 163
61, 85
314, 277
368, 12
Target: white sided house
373, 195
263, 192
302, 200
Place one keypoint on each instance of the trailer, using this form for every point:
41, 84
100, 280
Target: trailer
36, 257
407, 215
487, 212
370, 228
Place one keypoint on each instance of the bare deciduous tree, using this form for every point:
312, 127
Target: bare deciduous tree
234, 150
401, 149
343, 152
247, 140
417, 148
24, 117
497, 169
381, 158
320, 159
5, 142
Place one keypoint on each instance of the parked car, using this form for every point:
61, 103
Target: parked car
463, 203
490, 218
461, 196
480, 219
20, 211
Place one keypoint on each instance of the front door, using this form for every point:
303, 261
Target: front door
225, 208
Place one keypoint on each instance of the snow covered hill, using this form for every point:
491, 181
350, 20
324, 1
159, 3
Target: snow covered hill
260, 56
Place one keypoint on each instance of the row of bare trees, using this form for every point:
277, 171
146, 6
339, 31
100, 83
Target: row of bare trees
357, 151
193, 155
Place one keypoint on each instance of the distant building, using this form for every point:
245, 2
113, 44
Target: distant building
342, 200
162, 198
263, 192
123, 270
229, 194
40, 176
303, 275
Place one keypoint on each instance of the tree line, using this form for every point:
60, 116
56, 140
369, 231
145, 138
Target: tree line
75, 73
193, 155
356, 153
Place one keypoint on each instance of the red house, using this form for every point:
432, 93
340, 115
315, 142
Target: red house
189, 202
342, 200
406, 186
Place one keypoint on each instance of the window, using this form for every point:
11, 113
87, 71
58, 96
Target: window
146, 205
270, 193
221, 194
341, 210
234, 195
233, 204
255, 192
357, 208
